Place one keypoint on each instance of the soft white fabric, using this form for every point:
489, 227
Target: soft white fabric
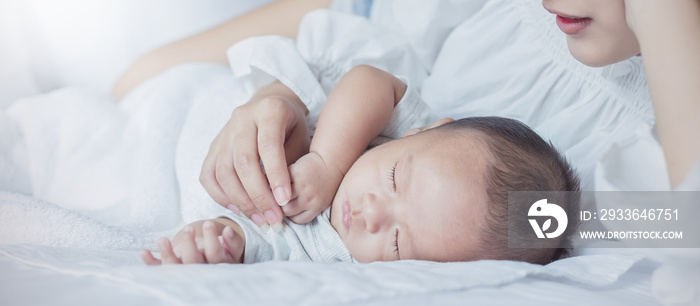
329, 44
409, 113
30, 220
116, 163
424, 24
114, 277
315, 241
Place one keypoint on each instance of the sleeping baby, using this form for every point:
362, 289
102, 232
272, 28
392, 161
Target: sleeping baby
437, 194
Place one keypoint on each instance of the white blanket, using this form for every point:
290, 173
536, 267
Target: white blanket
108, 179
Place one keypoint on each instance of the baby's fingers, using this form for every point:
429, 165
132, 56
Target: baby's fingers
167, 256
233, 244
213, 249
148, 258
293, 208
188, 247
305, 216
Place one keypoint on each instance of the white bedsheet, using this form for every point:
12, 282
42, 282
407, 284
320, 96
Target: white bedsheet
34, 275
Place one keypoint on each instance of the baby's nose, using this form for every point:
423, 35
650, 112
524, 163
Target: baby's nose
375, 212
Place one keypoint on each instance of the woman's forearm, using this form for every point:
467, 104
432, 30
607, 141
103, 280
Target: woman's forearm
281, 17
669, 37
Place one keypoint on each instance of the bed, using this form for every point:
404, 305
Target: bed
86, 183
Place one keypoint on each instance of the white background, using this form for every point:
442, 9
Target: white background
48, 44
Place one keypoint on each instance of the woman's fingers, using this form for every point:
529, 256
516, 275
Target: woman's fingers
256, 136
246, 162
148, 258
271, 137
207, 176
230, 183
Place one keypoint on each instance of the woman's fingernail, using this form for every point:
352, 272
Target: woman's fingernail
234, 209
281, 196
189, 229
208, 224
277, 227
258, 220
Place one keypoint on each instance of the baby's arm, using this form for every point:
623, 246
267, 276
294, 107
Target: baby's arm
357, 110
205, 241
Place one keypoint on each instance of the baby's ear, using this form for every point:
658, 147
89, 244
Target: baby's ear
425, 128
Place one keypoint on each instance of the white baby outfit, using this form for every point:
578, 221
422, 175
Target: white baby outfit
315, 241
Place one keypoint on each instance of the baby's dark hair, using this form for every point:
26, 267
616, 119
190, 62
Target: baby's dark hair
521, 161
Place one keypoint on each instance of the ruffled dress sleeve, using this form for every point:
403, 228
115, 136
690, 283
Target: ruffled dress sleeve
328, 45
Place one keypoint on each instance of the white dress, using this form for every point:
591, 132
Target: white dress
479, 58
511, 60
508, 58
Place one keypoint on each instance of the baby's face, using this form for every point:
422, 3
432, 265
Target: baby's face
419, 197
601, 36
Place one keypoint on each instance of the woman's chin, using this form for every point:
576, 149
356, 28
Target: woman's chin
595, 56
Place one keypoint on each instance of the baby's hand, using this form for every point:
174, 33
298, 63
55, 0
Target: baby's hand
314, 184
200, 242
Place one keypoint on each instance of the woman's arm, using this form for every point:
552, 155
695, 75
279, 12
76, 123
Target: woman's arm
669, 37
281, 17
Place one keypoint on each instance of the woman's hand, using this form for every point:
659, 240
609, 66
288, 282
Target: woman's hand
203, 241
315, 183
272, 130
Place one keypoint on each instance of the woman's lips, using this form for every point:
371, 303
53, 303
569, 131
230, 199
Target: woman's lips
347, 215
572, 25
569, 24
